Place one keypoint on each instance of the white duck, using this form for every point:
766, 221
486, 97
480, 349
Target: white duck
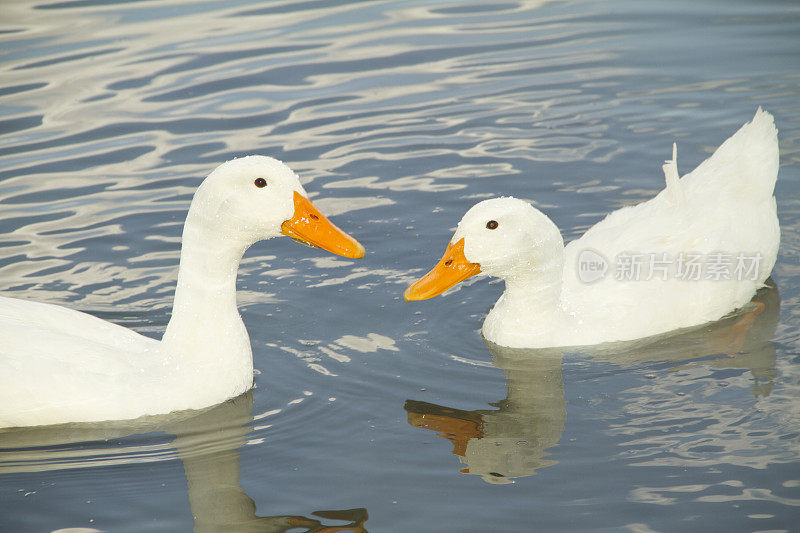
721, 216
60, 365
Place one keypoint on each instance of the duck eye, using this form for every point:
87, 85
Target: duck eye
260, 183
492, 224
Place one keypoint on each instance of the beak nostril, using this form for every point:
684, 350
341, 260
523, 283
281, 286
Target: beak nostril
448, 262
312, 216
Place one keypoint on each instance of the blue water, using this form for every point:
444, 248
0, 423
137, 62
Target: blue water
370, 413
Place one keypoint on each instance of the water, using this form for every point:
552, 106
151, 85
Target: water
370, 413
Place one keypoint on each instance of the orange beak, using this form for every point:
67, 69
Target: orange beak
451, 269
310, 227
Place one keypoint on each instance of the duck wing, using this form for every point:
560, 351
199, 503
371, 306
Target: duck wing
54, 360
725, 206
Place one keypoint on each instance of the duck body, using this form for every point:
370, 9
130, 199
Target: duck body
698, 250
60, 365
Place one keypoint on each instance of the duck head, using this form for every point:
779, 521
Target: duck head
502, 237
255, 198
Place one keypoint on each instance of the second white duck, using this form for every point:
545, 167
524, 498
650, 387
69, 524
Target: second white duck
692, 254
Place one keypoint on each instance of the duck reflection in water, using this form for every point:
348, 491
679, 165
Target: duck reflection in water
512, 440
517, 438
207, 443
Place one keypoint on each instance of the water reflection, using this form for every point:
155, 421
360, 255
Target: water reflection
207, 443
512, 440
517, 438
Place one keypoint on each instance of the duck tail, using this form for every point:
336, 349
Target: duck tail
746, 164
670, 167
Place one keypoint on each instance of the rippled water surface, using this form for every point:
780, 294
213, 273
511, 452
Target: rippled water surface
371, 414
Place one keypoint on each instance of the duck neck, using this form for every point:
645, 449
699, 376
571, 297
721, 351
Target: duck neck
536, 287
206, 327
530, 301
